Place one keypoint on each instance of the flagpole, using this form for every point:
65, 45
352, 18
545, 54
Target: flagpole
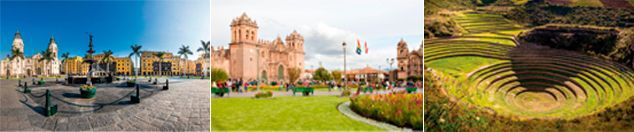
345, 77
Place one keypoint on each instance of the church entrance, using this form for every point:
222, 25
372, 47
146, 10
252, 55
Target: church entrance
38, 71
280, 73
264, 76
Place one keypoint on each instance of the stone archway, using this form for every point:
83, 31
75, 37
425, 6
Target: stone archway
264, 76
29, 72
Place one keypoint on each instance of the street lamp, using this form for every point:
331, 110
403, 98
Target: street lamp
345, 78
390, 61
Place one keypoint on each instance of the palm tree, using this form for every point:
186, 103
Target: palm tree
205, 49
136, 51
161, 56
64, 58
15, 53
107, 58
183, 52
47, 56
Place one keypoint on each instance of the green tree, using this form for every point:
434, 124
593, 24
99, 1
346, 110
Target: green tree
47, 57
183, 52
136, 51
15, 53
64, 58
293, 74
107, 58
322, 74
206, 49
336, 75
218, 74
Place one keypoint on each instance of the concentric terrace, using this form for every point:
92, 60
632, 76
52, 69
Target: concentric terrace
488, 69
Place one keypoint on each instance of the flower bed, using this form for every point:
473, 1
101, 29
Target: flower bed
403, 110
87, 91
266, 94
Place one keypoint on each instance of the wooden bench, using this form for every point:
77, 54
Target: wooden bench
220, 91
305, 91
411, 90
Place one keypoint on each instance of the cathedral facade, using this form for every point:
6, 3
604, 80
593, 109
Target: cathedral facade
410, 63
23, 66
249, 57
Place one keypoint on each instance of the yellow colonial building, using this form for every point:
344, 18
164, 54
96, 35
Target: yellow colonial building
171, 65
75, 66
123, 66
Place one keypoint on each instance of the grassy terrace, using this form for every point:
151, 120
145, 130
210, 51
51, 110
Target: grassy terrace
282, 113
486, 68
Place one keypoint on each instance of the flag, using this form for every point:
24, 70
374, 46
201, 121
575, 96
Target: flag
359, 47
366, 46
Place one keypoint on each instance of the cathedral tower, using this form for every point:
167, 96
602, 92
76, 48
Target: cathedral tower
401, 57
295, 42
55, 63
244, 48
17, 42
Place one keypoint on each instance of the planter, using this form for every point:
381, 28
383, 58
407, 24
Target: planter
88, 92
130, 84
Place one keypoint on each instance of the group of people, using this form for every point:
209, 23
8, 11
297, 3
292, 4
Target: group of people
239, 85
236, 85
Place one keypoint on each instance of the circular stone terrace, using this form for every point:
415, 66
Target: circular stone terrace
184, 106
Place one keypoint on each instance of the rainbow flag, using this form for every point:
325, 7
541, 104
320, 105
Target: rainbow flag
359, 47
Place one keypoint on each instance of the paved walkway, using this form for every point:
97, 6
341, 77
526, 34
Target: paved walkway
184, 107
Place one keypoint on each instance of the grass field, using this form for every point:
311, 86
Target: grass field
282, 113
487, 69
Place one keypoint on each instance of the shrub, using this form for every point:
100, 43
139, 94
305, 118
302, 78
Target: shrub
218, 75
403, 110
86, 87
273, 83
266, 94
345, 93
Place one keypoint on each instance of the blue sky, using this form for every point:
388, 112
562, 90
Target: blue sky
326, 23
156, 25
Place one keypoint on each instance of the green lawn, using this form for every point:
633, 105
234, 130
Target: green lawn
282, 113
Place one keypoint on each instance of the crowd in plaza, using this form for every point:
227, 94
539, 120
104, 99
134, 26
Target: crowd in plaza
239, 85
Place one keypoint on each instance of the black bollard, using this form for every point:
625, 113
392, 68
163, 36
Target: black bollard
136, 98
155, 81
50, 109
26, 89
167, 84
